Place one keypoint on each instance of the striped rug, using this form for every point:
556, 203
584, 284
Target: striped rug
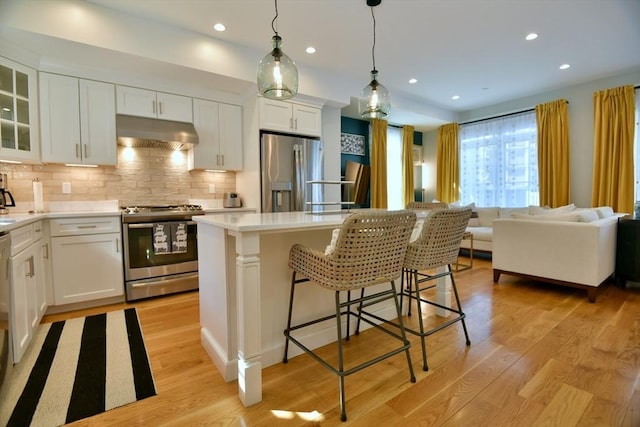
78, 368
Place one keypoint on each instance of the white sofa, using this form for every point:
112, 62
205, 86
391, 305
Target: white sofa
556, 250
481, 225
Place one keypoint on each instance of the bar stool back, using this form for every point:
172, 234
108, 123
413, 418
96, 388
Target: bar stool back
370, 250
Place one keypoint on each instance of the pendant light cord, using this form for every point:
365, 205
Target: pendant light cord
373, 48
273, 22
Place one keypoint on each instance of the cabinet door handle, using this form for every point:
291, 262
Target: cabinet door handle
86, 152
160, 104
291, 123
87, 226
296, 122
46, 251
78, 150
117, 245
223, 160
218, 159
153, 103
30, 261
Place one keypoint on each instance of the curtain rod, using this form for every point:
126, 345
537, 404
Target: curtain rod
528, 110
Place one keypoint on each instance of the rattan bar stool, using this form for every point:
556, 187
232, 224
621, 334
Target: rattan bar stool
437, 246
370, 250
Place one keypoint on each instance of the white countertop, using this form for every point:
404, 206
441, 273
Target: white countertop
283, 221
272, 221
15, 220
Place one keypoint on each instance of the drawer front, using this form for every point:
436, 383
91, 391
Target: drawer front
23, 237
81, 226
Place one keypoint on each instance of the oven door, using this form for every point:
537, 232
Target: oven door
145, 258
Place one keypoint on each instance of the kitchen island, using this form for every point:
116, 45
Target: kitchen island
244, 282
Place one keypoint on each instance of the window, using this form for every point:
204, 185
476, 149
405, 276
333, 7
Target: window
499, 161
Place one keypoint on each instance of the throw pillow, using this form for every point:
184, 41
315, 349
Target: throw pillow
604, 211
507, 212
561, 210
587, 215
417, 231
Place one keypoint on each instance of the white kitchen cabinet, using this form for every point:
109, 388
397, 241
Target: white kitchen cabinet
219, 128
78, 120
290, 117
28, 292
148, 103
86, 256
19, 122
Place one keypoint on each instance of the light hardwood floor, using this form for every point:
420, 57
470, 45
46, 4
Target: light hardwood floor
540, 355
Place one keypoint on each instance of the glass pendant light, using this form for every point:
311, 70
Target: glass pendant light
375, 100
277, 73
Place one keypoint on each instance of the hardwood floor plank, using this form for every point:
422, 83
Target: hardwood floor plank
565, 409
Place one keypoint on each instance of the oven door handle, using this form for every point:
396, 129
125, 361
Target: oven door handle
150, 224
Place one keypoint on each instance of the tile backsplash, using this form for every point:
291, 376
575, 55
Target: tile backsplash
143, 176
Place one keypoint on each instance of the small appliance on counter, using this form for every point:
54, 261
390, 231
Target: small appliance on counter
232, 200
6, 199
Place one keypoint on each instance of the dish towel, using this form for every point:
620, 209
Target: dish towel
178, 237
161, 234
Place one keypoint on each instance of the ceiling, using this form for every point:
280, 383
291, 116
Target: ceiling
475, 49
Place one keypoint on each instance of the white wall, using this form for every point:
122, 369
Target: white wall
580, 97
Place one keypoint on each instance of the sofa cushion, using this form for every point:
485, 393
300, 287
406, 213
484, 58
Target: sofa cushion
484, 234
538, 210
486, 216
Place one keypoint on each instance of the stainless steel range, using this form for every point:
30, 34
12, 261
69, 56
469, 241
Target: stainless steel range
160, 249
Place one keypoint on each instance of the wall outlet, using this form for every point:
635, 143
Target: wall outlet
66, 188
212, 188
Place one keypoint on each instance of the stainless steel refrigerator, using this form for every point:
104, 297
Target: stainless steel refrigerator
287, 164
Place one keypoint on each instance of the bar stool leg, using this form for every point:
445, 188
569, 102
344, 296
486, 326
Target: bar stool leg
403, 333
343, 409
425, 366
462, 315
287, 331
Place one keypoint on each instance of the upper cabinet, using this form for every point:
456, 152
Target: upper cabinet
219, 128
290, 117
18, 112
78, 120
147, 103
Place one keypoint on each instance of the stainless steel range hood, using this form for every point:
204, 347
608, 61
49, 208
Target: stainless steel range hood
155, 133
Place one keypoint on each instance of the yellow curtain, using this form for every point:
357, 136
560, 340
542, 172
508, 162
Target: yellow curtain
379, 164
613, 119
407, 164
553, 153
448, 176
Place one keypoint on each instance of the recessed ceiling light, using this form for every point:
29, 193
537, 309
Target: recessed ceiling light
310, 49
219, 27
531, 36
564, 66
455, 97
413, 81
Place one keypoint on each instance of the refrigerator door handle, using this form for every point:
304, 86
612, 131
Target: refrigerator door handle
299, 179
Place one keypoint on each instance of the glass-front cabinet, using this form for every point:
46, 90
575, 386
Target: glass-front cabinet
19, 132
